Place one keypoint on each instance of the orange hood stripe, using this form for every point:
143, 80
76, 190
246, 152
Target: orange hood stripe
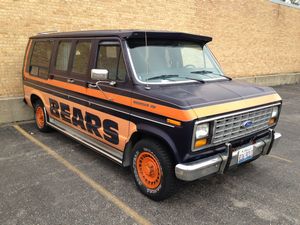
236, 105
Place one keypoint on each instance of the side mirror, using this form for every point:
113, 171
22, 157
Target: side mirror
99, 74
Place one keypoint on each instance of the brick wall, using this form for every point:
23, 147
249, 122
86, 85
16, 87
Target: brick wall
250, 37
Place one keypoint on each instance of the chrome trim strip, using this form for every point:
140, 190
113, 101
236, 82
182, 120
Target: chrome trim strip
103, 150
107, 107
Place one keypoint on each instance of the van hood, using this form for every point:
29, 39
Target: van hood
197, 95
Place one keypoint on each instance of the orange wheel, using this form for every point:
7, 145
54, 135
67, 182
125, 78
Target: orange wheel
39, 116
153, 169
149, 170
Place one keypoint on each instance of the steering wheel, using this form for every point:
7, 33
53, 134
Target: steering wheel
189, 66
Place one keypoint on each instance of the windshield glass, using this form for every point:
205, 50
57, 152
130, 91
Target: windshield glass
172, 61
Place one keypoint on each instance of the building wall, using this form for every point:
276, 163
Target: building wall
249, 37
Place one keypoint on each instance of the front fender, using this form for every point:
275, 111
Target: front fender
161, 135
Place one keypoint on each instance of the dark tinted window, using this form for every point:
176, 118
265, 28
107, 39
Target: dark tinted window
63, 55
40, 58
81, 58
110, 58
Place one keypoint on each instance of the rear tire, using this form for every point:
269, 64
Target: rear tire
153, 169
40, 117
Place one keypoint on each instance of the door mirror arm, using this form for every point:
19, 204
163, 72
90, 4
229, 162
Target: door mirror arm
97, 85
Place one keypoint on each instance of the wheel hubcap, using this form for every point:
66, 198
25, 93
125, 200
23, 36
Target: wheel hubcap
39, 115
149, 170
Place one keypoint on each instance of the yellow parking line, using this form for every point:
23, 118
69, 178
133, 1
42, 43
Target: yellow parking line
280, 158
99, 188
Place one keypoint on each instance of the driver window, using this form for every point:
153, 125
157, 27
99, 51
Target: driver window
110, 57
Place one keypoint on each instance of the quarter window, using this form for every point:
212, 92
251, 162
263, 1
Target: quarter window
63, 55
81, 58
40, 58
110, 58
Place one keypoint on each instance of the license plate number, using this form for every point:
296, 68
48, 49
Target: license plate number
245, 154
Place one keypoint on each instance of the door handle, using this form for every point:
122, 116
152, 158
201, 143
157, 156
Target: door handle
70, 80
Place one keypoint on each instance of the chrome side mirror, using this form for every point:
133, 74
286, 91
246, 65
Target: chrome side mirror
99, 74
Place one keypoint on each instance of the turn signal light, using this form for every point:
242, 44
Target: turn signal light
174, 122
272, 121
200, 143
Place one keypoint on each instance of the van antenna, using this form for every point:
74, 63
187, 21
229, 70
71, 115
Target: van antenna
147, 87
48, 32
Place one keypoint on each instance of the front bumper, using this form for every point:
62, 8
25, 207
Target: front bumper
221, 162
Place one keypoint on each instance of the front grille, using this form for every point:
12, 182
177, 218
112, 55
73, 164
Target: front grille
230, 128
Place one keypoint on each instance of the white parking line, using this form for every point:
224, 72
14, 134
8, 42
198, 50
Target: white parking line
96, 186
280, 158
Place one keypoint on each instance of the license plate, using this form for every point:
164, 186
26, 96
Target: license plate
245, 154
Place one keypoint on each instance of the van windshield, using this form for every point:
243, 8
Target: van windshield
164, 61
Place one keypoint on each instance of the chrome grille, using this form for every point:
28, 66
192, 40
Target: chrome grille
230, 128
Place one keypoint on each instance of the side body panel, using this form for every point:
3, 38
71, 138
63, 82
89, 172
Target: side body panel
104, 127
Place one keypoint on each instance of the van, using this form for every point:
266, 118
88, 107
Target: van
155, 101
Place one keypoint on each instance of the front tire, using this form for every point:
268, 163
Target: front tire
153, 169
40, 117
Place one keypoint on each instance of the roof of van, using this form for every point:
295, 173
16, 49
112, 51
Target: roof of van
126, 34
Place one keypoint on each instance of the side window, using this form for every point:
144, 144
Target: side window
110, 57
63, 55
40, 58
81, 57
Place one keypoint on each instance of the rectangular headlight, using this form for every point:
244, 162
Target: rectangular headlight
202, 130
200, 136
274, 111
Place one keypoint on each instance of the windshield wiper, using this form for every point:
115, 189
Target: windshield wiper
167, 76
199, 80
164, 76
203, 72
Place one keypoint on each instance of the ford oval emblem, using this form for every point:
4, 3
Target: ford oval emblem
247, 124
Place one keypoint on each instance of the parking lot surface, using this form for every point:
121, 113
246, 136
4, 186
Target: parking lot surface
55, 180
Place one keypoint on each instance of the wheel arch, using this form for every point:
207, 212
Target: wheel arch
35, 96
148, 131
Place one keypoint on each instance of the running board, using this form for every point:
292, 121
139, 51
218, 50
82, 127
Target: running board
95, 145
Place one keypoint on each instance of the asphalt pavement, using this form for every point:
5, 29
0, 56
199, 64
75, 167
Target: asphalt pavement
51, 179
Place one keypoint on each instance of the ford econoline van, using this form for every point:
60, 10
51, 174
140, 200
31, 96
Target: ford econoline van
155, 101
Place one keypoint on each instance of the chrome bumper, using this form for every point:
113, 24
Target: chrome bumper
221, 162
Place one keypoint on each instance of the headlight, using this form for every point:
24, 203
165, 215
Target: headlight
201, 136
274, 116
202, 130
275, 111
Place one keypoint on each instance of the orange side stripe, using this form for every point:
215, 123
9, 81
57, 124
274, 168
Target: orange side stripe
178, 114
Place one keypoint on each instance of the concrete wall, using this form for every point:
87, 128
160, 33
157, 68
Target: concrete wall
251, 38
